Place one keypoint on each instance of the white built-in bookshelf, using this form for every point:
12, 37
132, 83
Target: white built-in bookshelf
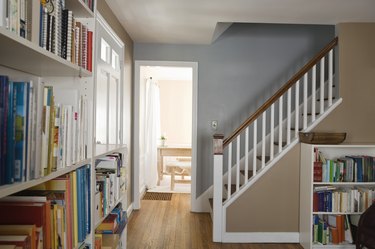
25, 59
343, 199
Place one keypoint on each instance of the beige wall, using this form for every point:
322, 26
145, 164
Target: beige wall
108, 15
176, 98
273, 203
356, 115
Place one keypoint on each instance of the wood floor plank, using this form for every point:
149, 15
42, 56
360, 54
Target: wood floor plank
171, 225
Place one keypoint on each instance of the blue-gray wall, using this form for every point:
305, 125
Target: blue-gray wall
237, 73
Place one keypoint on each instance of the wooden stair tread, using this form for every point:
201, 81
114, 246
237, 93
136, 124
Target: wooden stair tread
282, 143
309, 114
267, 158
211, 201
249, 173
293, 129
232, 189
326, 99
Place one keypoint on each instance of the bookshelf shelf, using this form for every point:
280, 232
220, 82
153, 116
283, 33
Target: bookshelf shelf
23, 55
6, 190
342, 246
337, 213
307, 186
345, 183
104, 149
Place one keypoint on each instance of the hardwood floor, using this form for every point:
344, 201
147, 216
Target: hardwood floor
171, 225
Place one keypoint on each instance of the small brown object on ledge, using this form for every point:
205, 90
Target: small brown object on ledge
322, 137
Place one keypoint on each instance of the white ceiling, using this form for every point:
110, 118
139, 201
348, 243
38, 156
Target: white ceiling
195, 21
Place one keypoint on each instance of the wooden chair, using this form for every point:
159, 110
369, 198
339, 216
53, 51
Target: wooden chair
366, 229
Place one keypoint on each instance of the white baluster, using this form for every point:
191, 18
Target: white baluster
229, 170
322, 66
313, 94
255, 148
280, 123
330, 77
305, 101
297, 110
272, 130
263, 139
246, 154
238, 163
289, 113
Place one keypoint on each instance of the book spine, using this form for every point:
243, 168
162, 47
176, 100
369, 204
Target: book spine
9, 173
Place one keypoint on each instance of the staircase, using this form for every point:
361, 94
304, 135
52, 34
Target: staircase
270, 133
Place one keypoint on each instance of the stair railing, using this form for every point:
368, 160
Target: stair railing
231, 146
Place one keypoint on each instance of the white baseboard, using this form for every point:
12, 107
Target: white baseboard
142, 192
130, 209
201, 204
268, 237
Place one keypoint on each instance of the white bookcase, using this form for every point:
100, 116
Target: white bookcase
307, 185
25, 60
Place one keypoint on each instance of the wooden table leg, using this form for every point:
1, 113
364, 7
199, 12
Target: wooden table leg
172, 177
160, 167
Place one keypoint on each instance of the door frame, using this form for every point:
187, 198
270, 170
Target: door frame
137, 66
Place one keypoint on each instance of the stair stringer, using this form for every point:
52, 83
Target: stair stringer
251, 237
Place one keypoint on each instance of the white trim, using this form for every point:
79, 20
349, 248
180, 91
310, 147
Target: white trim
129, 210
106, 26
257, 237
280, 155
142, 191
218, 197
195, 204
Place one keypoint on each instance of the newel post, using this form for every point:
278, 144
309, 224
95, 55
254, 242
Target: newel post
218, 187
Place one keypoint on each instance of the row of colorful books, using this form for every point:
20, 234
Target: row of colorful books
62, 34
15, 15
45, 129
332, 230
345, 169
108, 233
110, 183
114, 223
55, 214
345, 200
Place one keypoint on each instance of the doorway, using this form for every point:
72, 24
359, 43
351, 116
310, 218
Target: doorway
170, 164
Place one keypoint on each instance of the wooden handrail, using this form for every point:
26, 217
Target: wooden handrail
281, 91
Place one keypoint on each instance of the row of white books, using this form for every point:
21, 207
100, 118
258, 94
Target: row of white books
348, 200
46, 129
15, 15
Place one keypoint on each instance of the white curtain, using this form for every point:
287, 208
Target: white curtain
152, 132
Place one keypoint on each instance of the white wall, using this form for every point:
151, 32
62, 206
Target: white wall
176, 111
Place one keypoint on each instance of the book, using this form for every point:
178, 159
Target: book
318, 171
29, 230
89, 50
22, 241
14, 16
10, 135
20, 131
28, 213
3, 13
4, 105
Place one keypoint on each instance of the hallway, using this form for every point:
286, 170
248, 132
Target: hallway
170, 224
